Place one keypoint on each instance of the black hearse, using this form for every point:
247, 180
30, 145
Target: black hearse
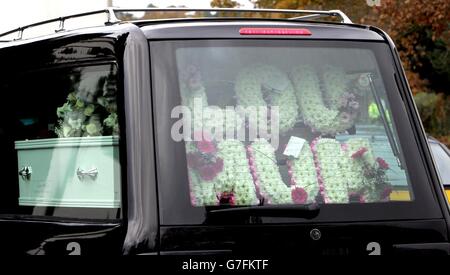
213, 135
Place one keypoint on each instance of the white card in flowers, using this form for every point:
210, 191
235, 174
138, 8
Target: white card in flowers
294, 146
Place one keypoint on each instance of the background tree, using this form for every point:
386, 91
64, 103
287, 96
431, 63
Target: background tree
224, 4
420, 29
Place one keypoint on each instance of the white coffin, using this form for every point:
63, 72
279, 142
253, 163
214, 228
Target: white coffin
69, 172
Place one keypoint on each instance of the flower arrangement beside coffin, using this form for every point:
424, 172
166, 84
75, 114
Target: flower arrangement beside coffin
82, 117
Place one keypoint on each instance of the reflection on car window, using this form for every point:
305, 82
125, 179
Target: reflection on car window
443, 162
281, 125
63, 134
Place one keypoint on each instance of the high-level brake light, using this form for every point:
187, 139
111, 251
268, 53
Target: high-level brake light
273, 31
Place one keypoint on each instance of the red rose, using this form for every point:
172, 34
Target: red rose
227, 198
206, 173
209, 171
299, 195
359, 153
382, 163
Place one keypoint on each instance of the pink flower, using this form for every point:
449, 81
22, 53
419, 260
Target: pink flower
299, 195
382, 163
207, 147
359, 153
204, 142
254, 176
206, 173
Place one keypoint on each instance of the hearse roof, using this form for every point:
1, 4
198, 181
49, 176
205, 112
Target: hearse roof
231, 28
214, 27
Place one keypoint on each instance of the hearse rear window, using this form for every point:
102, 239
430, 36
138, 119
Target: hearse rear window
254, 124
59, 139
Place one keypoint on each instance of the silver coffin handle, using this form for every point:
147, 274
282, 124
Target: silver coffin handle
83, 174
25, 173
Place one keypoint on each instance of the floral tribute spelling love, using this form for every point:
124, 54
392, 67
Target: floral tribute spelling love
203, 167
264, 85
236, 177
194, 97
333, 167
268, 181
205, 160
303, 174
327, 106
220, 174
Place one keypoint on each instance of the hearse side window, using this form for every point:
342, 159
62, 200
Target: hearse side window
251, 123
59, 137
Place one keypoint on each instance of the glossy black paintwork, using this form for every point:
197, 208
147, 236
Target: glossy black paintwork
44, 237
416, 123
142, 206
58, 51
341, 238
139, 230
126, 46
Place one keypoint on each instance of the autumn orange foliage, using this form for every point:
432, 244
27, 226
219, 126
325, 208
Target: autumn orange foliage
405, 22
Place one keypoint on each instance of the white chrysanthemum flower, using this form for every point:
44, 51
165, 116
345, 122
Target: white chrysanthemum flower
272, 186
234, 178
321, 109
251, 82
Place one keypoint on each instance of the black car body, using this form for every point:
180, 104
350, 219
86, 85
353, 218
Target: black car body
155, 214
